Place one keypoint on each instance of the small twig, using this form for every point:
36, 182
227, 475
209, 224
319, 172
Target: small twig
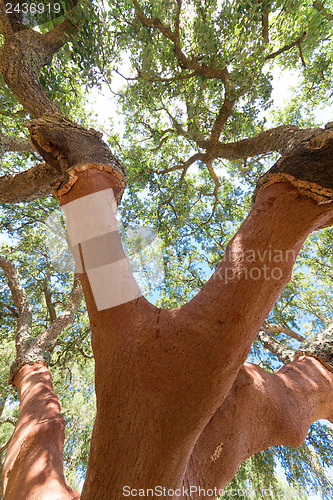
173, 193
85, 354
4, 446
287, 47
153, 79
301, 54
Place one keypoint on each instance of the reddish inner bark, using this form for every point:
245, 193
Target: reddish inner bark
33, 467
161, 375
261, 410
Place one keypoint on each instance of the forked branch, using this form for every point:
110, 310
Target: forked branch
190, 64
40, 347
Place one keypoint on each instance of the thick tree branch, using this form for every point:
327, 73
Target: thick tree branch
47, 340
64, 145
154, 23
284, 353
23, 329
191, 64
37, 473
23, 54
9, 22
21, 59
271, 409
28, 348
40, 347
220, 121
58, 36
278, 328
189, 357
280, 222
320, 347
48, 299
8, 420
37, 182
301, 54
282, 139
265, 20
41, 180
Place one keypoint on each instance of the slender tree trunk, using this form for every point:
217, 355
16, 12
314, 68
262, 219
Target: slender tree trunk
33, 468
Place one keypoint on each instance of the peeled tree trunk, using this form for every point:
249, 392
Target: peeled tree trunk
176, 406
33, 467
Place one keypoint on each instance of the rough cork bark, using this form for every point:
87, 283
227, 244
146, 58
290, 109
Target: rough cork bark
308, 167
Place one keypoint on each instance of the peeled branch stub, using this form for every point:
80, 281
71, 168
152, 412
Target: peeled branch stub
90, 206
71, 177
309, 168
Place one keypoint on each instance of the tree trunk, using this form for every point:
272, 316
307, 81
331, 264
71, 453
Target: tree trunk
33, 466
261, 410
163, 376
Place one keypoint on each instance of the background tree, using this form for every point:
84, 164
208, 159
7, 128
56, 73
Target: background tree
196, 142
